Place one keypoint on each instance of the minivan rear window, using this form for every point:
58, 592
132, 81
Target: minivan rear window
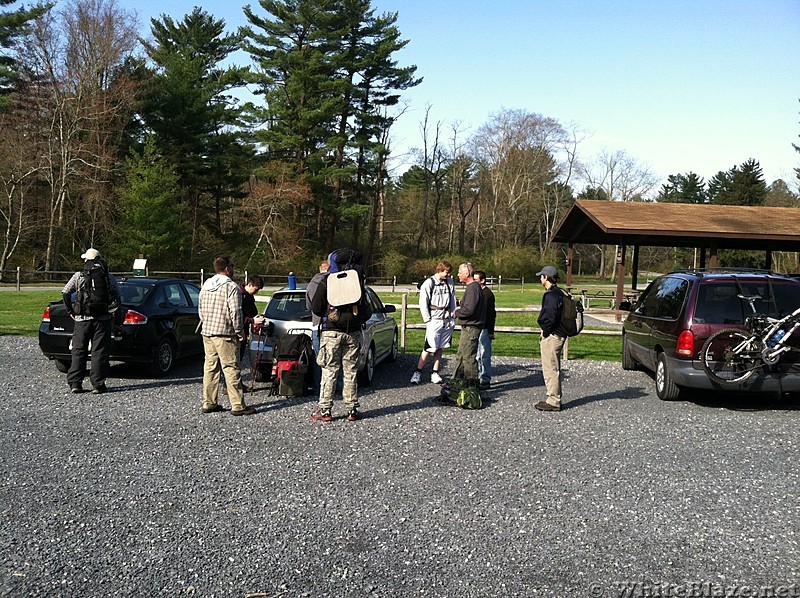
718, 303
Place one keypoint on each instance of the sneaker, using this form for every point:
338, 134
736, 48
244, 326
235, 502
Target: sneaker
213, 408
545, 406
436, 378
243, 411
322, 416
484, 385
415, 377
76, 389
354, 415
98, 390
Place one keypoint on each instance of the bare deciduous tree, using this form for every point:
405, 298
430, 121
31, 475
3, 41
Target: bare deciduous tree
74, 77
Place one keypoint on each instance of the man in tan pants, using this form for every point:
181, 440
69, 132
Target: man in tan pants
220, 309
553, 337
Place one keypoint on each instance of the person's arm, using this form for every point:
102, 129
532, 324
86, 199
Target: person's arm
548, 317
235, 310
66, 293
425, 293
491, 314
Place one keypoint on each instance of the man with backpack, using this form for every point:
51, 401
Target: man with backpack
340, 336
437, 302
553, 338
96, 300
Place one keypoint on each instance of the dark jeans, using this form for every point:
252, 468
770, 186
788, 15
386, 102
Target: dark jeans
98, 332
466, 364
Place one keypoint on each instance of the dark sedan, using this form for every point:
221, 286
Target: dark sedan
158, 325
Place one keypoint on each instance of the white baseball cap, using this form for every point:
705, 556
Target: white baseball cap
91, 254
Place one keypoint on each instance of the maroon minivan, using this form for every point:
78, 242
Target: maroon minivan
677, 312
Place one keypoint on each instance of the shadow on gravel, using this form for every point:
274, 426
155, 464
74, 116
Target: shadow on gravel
623, 393
745, 401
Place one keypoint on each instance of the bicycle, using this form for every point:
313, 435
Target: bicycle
732, 355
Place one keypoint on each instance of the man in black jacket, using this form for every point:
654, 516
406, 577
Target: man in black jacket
339, 346
553, 337
471, 315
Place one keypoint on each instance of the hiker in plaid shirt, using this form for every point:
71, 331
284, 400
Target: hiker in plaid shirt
220, 309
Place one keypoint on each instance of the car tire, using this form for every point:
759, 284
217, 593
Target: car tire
366, 373
666, 390
628, 362
62, 365
392, 356
163, 358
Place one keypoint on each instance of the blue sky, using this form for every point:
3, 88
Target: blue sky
679, 85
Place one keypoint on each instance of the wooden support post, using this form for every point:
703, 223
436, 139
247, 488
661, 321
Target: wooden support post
620, 276
712, 260
635, 268
570, 250
768, 260
403, 306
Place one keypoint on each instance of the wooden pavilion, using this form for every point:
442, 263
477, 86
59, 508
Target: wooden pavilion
708, 228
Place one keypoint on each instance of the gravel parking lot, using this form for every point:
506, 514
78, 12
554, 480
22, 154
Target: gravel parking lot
136, 493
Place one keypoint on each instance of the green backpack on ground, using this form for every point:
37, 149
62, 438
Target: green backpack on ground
462, 394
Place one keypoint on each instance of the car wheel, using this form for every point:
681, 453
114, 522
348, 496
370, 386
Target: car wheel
394, 350
628, 362
62, 365
163, 358
366, 373
666, 390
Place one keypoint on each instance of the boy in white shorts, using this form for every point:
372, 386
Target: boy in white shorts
437, 302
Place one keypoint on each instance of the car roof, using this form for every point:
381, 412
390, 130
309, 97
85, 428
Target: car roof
722, 274
151, 280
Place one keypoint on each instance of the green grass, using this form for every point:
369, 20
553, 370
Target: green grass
21, 313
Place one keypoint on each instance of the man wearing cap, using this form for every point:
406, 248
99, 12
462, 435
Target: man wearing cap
97, 298
553, 337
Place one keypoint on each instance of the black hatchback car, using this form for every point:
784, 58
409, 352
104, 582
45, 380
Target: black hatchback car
677, 312
158, 325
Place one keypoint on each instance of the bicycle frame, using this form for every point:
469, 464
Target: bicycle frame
731, 356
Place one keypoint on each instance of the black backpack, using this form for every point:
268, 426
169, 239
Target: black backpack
346, 272
571, 314
94, 295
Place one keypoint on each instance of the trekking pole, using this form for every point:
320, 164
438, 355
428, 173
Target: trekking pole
253, 366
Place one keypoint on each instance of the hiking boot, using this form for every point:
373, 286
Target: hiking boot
243, 411
545, 406
322, 416
415, 377
354, 415
436, 378
98, 390
484, 385
213, 408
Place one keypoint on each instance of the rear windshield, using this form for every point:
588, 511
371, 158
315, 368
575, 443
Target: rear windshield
288, 306
718, 303
133, 292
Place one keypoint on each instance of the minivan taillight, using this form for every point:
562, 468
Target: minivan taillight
134, 317
685, 344
46, 314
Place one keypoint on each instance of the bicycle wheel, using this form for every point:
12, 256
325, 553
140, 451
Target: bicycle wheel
730, 356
